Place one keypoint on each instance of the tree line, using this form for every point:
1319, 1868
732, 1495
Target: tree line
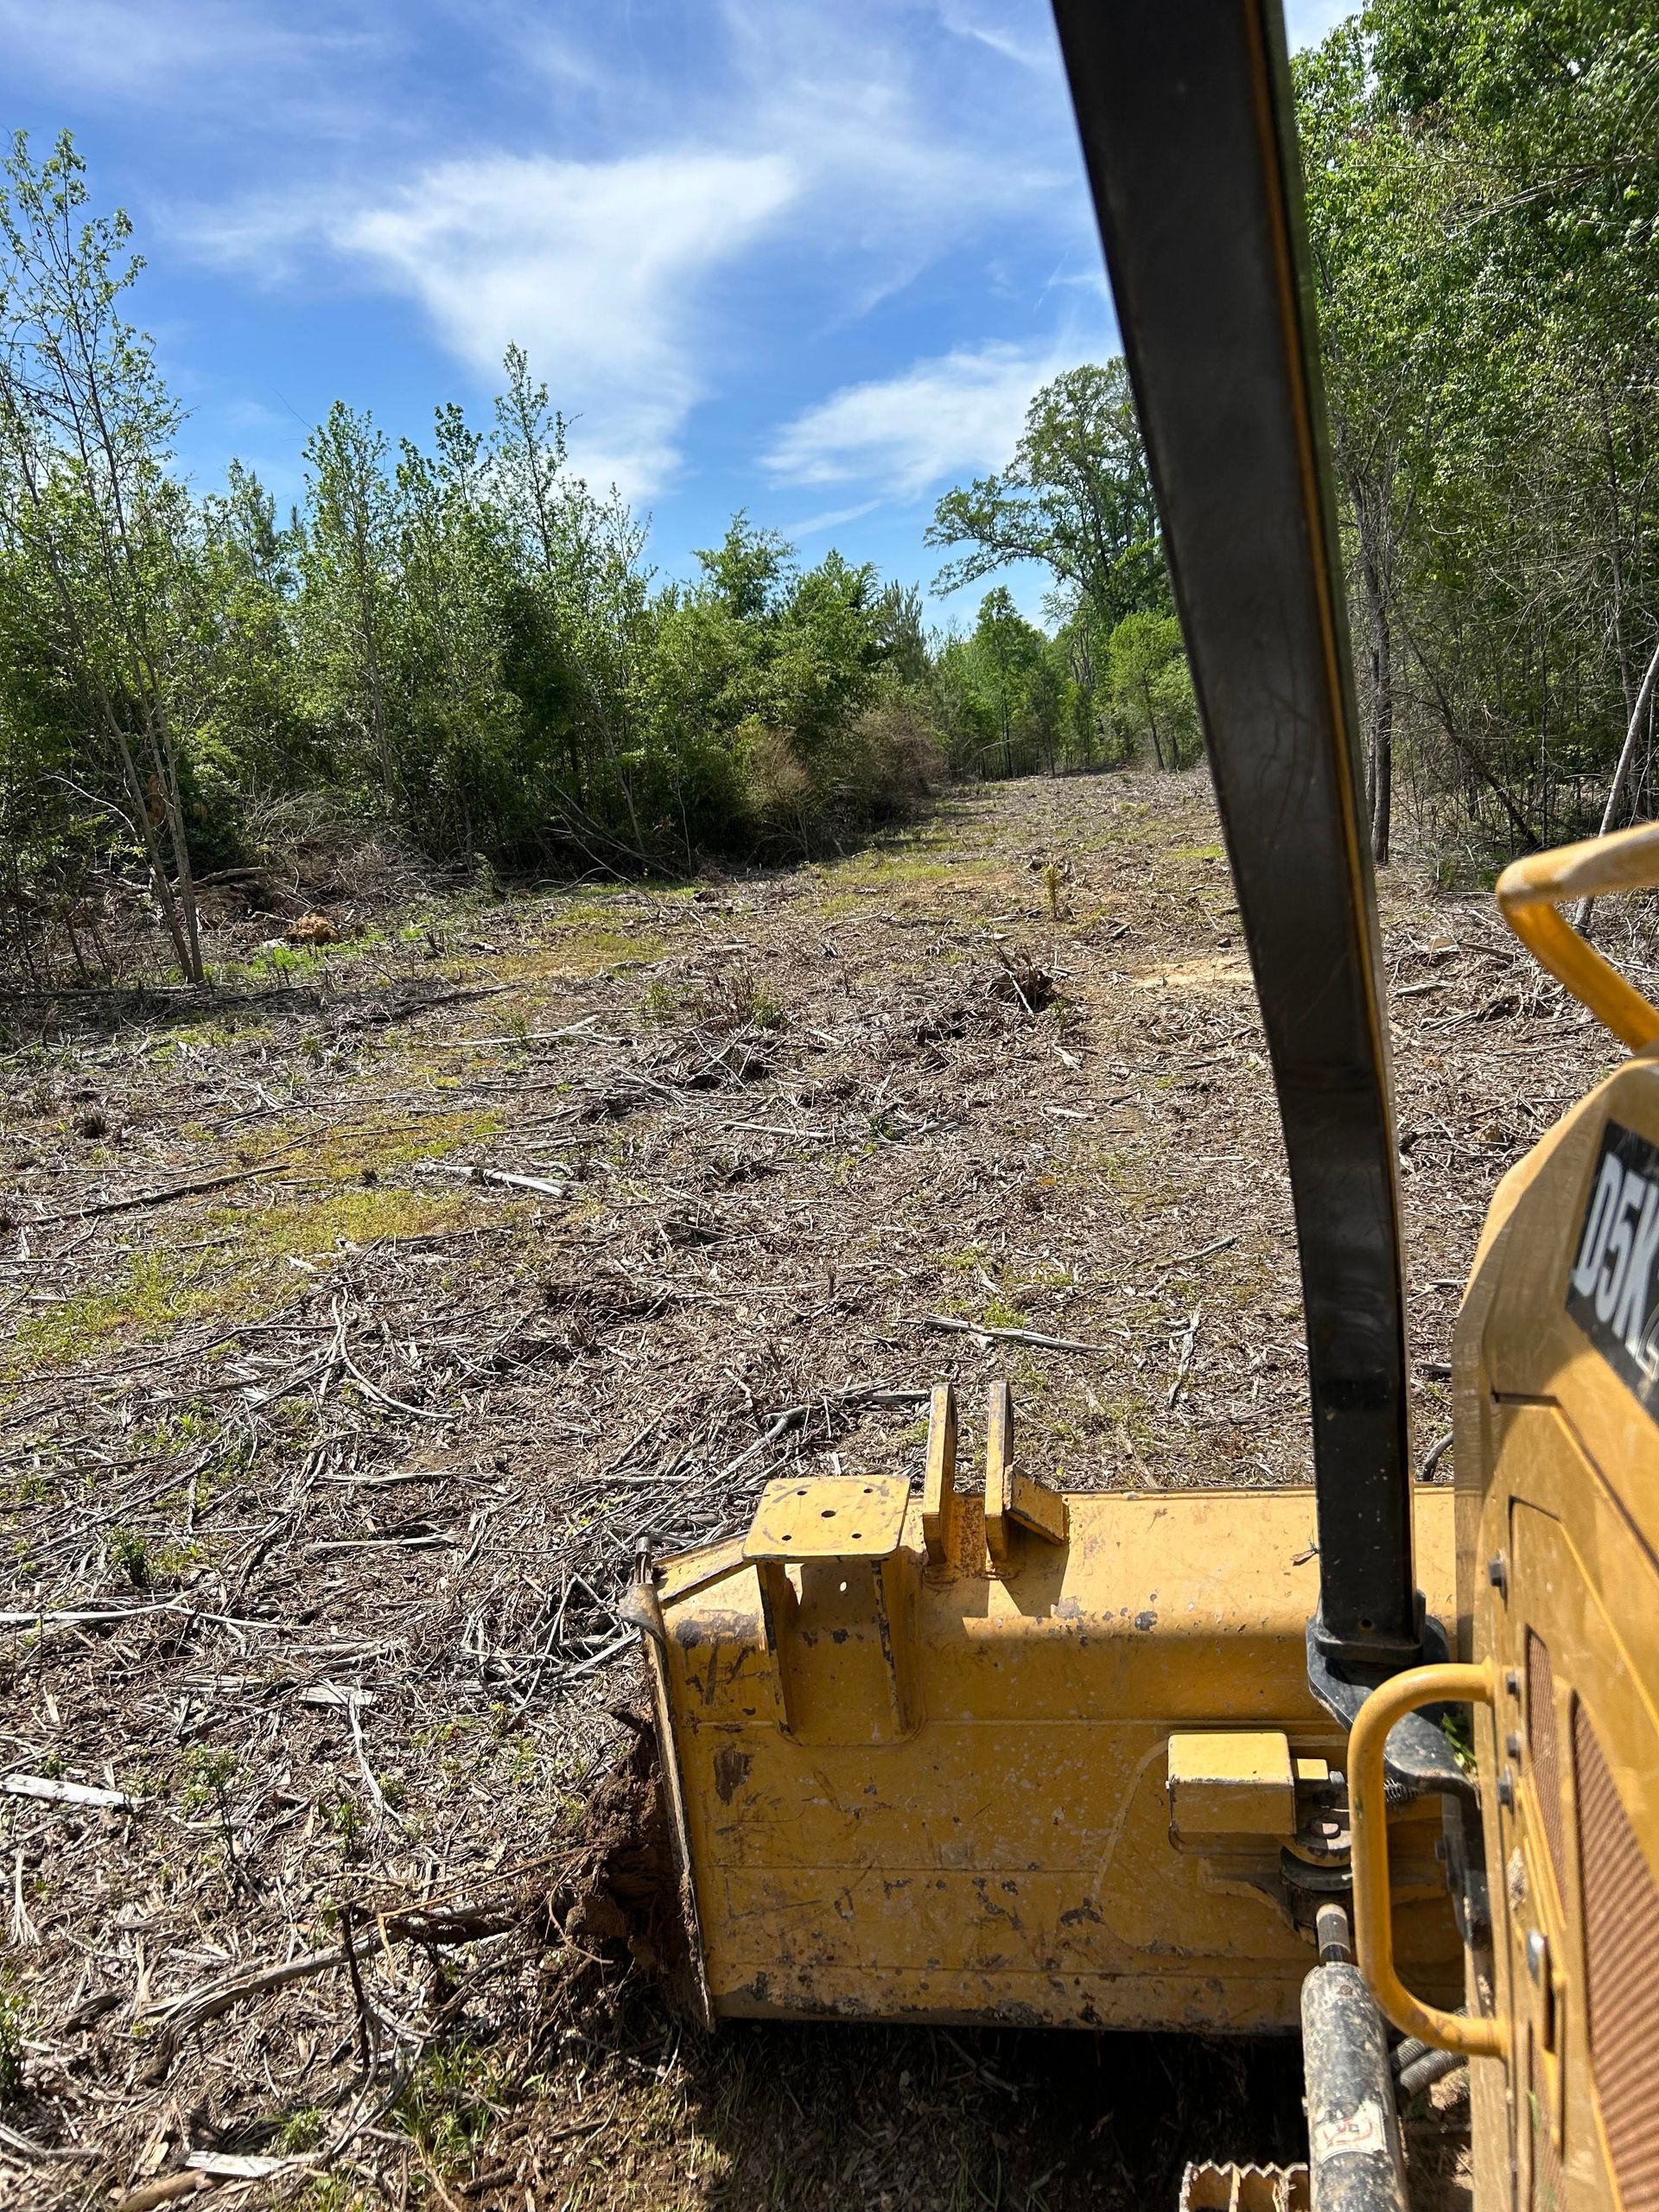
461, 642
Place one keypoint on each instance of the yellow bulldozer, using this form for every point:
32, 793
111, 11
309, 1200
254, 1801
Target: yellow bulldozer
1150, 1761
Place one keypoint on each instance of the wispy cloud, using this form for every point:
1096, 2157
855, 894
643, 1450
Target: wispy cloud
592, 267
658, 202
1028, 39
832, 518
960, 413
178, 51
825, 142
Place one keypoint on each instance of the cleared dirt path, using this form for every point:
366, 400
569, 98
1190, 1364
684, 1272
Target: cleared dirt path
363, 1319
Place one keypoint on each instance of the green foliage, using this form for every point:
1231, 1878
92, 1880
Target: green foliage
1077, 496
448, 2107
459, 640
208, 1774
1150, 690
129, 1557
1484, 212
104, 659
346, 1819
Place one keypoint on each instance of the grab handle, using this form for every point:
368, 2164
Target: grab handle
1528, 892
1476, 2036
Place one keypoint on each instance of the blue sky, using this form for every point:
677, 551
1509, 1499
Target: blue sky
807, 256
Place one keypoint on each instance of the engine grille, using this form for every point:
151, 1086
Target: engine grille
1621, 1959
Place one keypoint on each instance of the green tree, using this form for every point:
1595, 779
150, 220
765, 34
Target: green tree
348, 583
1484, 212
1150, 689
1009, 651
1076, 496
99, 537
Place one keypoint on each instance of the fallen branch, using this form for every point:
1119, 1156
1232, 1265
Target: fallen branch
1015, 1336
496, 1175
384, 1397
52, 1792
178, 2017
1185, 1259
31, 2149
194, 2008
160, 1198
243, 2166
542, 1036
858, 1394
430, 1542
166, 2190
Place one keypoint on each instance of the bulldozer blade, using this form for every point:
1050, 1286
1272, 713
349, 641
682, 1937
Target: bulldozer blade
1065, 1769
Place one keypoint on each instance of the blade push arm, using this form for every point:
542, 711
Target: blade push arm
1184, 112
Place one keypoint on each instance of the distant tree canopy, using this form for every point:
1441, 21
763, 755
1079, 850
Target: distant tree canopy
459, 640
1483, 210
1076, 498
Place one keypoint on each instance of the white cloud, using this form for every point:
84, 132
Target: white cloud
958, 413
832, 518
591, 267
854, 151
1033, 50
184, 54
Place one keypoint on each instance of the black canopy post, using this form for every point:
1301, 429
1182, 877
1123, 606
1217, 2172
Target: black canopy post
1186, 113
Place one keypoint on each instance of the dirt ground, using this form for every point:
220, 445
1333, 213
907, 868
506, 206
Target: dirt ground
367, 1314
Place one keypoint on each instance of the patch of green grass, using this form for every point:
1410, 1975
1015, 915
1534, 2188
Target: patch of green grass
150, 1294
968, 1261
345, 1818
285, 963
146, 1297
176, 1559
888, 870
446, 2108
1200, 853
370, 1214
574, 935
334, 2193
228, 1028
300, 2130
208, 1774
175, 1434
343, 1154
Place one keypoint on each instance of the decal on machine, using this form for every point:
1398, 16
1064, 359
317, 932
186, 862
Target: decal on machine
1613, 1290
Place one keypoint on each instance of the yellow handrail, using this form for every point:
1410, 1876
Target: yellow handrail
1530, 890
1476, 2037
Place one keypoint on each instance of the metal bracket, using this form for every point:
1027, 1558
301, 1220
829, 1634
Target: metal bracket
834, 1580
1013, 1500
940, 1516
1419, 1761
